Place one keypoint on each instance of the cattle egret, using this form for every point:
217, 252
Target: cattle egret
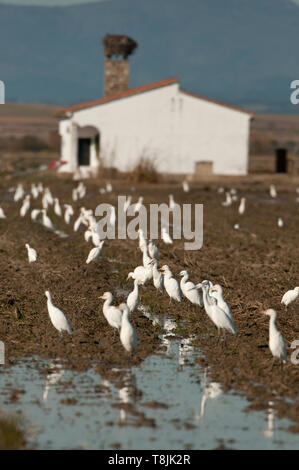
57, 208
34, 191
171, 285
138, 205
2, 215
276, 342
68, 213
112, 218
241, 209
186, 187
112, 314
273, 192
158, 277
128, 335
146, 258
95, 253
19, 194
47, 221
78, 223
280, 222
32, 254
217, 292
228, 201
220, 319
109, 187
35, 213
57, 317
142, 240
142, 274
166, 237
189, 291
87, 235
290, 296
75, 195
153, 250
133, 298
25, 206
127, 203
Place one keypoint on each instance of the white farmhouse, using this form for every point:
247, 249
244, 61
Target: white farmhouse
181, 131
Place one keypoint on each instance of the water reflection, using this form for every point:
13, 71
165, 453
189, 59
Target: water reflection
269, 432
210, 390
55, 373
186, 350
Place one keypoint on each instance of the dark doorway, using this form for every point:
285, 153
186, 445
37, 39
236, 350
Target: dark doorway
281, 161
83, 152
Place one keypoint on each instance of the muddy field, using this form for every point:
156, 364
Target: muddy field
255, 266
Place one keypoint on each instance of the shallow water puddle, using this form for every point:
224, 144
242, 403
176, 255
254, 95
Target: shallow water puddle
166, 403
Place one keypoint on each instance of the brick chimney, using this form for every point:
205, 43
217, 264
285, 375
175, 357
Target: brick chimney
117, 48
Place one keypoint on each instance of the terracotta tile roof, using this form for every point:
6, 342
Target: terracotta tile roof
142, 89
117, 96
236, 108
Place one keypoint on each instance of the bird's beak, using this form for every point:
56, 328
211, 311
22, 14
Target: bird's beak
100, 297
127, 278
160, 269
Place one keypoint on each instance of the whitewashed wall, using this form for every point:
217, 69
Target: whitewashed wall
168, 125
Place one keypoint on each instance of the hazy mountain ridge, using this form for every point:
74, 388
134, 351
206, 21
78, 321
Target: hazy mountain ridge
240, 52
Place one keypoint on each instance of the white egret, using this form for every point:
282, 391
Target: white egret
57, 317
228, 201
166, 237
2, 214
290, 296
25, 206
216, 314
171, 285
142, 240
127, 203
153, 250
186, 186
241, 209
112, 218
189, 291
217, 292
75, 195
133, 299
35, 213
112, 314
19, 194
158, 277
273, 192
95, 253
57, 208
34, 191
47, 222
276, 341
146, 259
87, 235
138, 205
32, 254
280, 222
142, 274
128, 335
109, 188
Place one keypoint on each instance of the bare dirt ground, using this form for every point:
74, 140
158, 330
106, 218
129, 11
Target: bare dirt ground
255, 265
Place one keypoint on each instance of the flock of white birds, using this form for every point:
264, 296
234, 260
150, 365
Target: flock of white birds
203, 295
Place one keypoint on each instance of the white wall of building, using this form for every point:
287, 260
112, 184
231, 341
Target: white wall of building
165, 124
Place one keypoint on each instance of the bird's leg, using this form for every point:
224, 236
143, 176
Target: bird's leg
224, 339
272, 364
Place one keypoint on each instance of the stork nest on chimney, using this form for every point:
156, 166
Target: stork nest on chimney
118, 44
